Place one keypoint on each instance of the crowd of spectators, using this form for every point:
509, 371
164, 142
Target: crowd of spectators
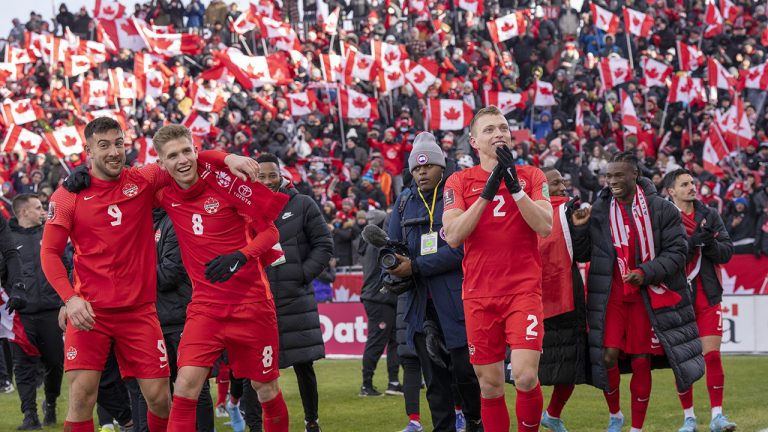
356, 165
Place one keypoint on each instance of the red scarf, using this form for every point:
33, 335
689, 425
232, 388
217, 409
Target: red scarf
691, 267
660, 295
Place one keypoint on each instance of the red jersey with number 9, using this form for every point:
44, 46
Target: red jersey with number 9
501, 256
110, 226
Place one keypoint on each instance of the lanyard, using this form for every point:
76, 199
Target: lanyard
431, 211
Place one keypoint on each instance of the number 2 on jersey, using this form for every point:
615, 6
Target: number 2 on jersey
115, 212
497, 211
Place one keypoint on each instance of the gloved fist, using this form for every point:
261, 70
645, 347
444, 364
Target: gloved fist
507, 162
435, 346
78, 179
701, 237
15, 303
492, 184
223, 267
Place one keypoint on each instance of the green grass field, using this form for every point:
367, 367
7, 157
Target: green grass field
342, 410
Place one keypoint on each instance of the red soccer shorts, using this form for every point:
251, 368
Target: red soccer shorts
709, 318
628, 328
247, 331
515, 319
138, 341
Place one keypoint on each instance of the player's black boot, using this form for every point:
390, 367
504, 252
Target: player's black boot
49, 413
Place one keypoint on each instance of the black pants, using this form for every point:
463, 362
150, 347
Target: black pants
411, 384
381, 334
113, 396
6, 362
305, 376
204, 402
43, 332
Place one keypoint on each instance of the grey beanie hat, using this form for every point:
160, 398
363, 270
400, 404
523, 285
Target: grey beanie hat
425, 151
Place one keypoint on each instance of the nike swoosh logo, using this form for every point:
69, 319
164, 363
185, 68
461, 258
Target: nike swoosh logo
287, 215
175, 205
163, 365
655, 346
612, 392
717, 387
19, 247
475, 190
529, 425
266, 371
234, 267
643, 400
530, 337
87, 198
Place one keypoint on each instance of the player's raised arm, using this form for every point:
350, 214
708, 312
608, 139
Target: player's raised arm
536, 210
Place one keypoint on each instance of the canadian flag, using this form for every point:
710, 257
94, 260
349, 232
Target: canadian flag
115, 115
103, 37
389, 55
474, 6
614, 71
333, 69
122, 84
714, 150
37, 43
685, 89
280, 34
360, 66
19, 55
391, 78
144, 62
507, 27
757, 77
96, 93
629, 115
21, 140
655, 73
358, 105
147, 153
21, 112
718, 76
689, 56
545, 94
506, 102
10, 72
254, 71
638, 23
76, 64
206, 100
418, 7
96, 52
449, 114
12, 329
734, 124
121, 34
604, 19
332, 22
246, 21
169, 45
729, 10
66, 141
421, 75
579, 121
108, 10
713, 19
197, 124
153, 84
302, 104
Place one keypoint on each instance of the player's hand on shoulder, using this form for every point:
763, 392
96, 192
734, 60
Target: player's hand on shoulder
80, 313
223, 267
78, 179
581, 216
243, 167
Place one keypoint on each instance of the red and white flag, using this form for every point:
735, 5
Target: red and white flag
474, 6
280, 34
655, 73
391, 78
614, 71
122, 84
506, 102
66, 141
449, 114
418, 7
115, 115
19, 55
421, 75
197, 124
246, 21
729, 10
76, 64
715, 150
545, 94
389, 55
718, 76
638, 23
579, 121
358, 105
121, 34
507, 27
713, 19
604, 19
333, 67
21, 112
153, 84
686, 89
628, 115
22, 141
96, 93
757, 77
147, 153
206, 100
255, 71
144, 62
169, 45
12, 329
689, 56
302, 104
332, 22
10, 72
734, 124
108, 10
96, 52
360, 66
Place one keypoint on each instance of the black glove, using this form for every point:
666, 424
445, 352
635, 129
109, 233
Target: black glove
701, 237
572, 205
492, 185
507, 162
18, 299
435, 346
221, 268
78, 179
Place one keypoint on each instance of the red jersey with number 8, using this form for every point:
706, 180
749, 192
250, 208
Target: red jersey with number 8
110, 225
501, 256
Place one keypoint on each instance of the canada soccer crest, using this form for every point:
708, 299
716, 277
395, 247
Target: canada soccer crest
211, 205
130, 190
223, 179
51, 210
71, 353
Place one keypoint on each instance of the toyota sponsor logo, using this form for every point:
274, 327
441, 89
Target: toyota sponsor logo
245, 191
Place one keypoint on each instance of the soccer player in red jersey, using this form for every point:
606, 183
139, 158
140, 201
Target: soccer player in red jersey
709, 246
232, 306
499, 228
110, 226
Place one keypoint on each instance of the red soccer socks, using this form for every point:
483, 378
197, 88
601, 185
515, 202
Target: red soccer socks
494, 414
640, 389
183, 415
275, 414
715, 379
613, 396
157, 424
83, 426
560, 396
528, 407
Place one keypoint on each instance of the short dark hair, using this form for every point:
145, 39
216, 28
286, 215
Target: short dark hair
671, 177
21, 200
628, 157
267, 158
101, 125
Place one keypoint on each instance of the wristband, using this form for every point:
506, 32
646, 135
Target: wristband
518, 195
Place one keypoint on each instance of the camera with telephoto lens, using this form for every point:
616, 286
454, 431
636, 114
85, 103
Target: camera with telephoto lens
387, 261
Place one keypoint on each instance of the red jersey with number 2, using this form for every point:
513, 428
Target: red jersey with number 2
110, 225
501, 256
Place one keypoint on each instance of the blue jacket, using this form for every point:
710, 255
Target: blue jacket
438, 274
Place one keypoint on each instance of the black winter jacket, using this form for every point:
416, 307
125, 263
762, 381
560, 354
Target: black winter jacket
675, 326
372, 275
720, 252
174, 290
40, 294
308, 248
11, 271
